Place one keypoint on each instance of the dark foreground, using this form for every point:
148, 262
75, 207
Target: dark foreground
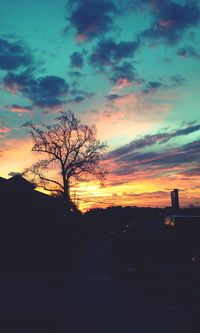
92, 298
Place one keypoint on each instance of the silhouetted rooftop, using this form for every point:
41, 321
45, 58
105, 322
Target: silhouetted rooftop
21, 182
19, 200
2, 180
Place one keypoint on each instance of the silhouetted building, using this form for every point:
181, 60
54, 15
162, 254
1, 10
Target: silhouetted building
20, 201
175, 199
33, 233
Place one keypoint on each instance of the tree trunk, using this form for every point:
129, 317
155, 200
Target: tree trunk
68, 204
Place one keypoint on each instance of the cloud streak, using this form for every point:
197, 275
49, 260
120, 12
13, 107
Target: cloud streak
4, 129
150, 140
16, 108
143, 159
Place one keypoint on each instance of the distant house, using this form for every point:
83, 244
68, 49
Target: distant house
19, 201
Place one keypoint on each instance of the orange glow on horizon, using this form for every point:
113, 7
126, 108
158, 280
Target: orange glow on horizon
15, 156
141, 188
136, 193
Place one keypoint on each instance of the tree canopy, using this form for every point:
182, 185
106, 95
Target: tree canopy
70, 148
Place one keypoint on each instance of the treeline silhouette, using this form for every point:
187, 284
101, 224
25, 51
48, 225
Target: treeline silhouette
141, 243
115, 218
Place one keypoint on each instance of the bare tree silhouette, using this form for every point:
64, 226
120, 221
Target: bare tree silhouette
71, 148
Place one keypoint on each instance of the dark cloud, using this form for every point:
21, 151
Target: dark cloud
113, 97
76, 74
76, 100
153, 86
19, 82
177, 80
48, 90
187, 130
86, 94
171, 20
109, 53
112, 58
153, 194
91, 18
138, 158
186, 52
123, 170
76, 60
150, 140
126, 71
43, 92
52, 85
189, 153
13, 173
13, 55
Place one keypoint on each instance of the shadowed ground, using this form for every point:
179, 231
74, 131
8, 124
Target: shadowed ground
92, 299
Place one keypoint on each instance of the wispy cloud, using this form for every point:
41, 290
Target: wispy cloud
150, 140
188, 52
142, 159
16, 108
4, 129
76, 59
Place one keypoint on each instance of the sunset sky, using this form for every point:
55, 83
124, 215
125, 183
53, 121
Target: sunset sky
131, 67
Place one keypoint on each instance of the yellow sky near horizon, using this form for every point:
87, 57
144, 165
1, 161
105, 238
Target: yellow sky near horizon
140, 190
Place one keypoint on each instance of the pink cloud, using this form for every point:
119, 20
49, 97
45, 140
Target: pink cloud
12, 90
53, 109
166, 23
129, 115
122, 83
20, 109
4, 129
84, 35
81, 38
126, 102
